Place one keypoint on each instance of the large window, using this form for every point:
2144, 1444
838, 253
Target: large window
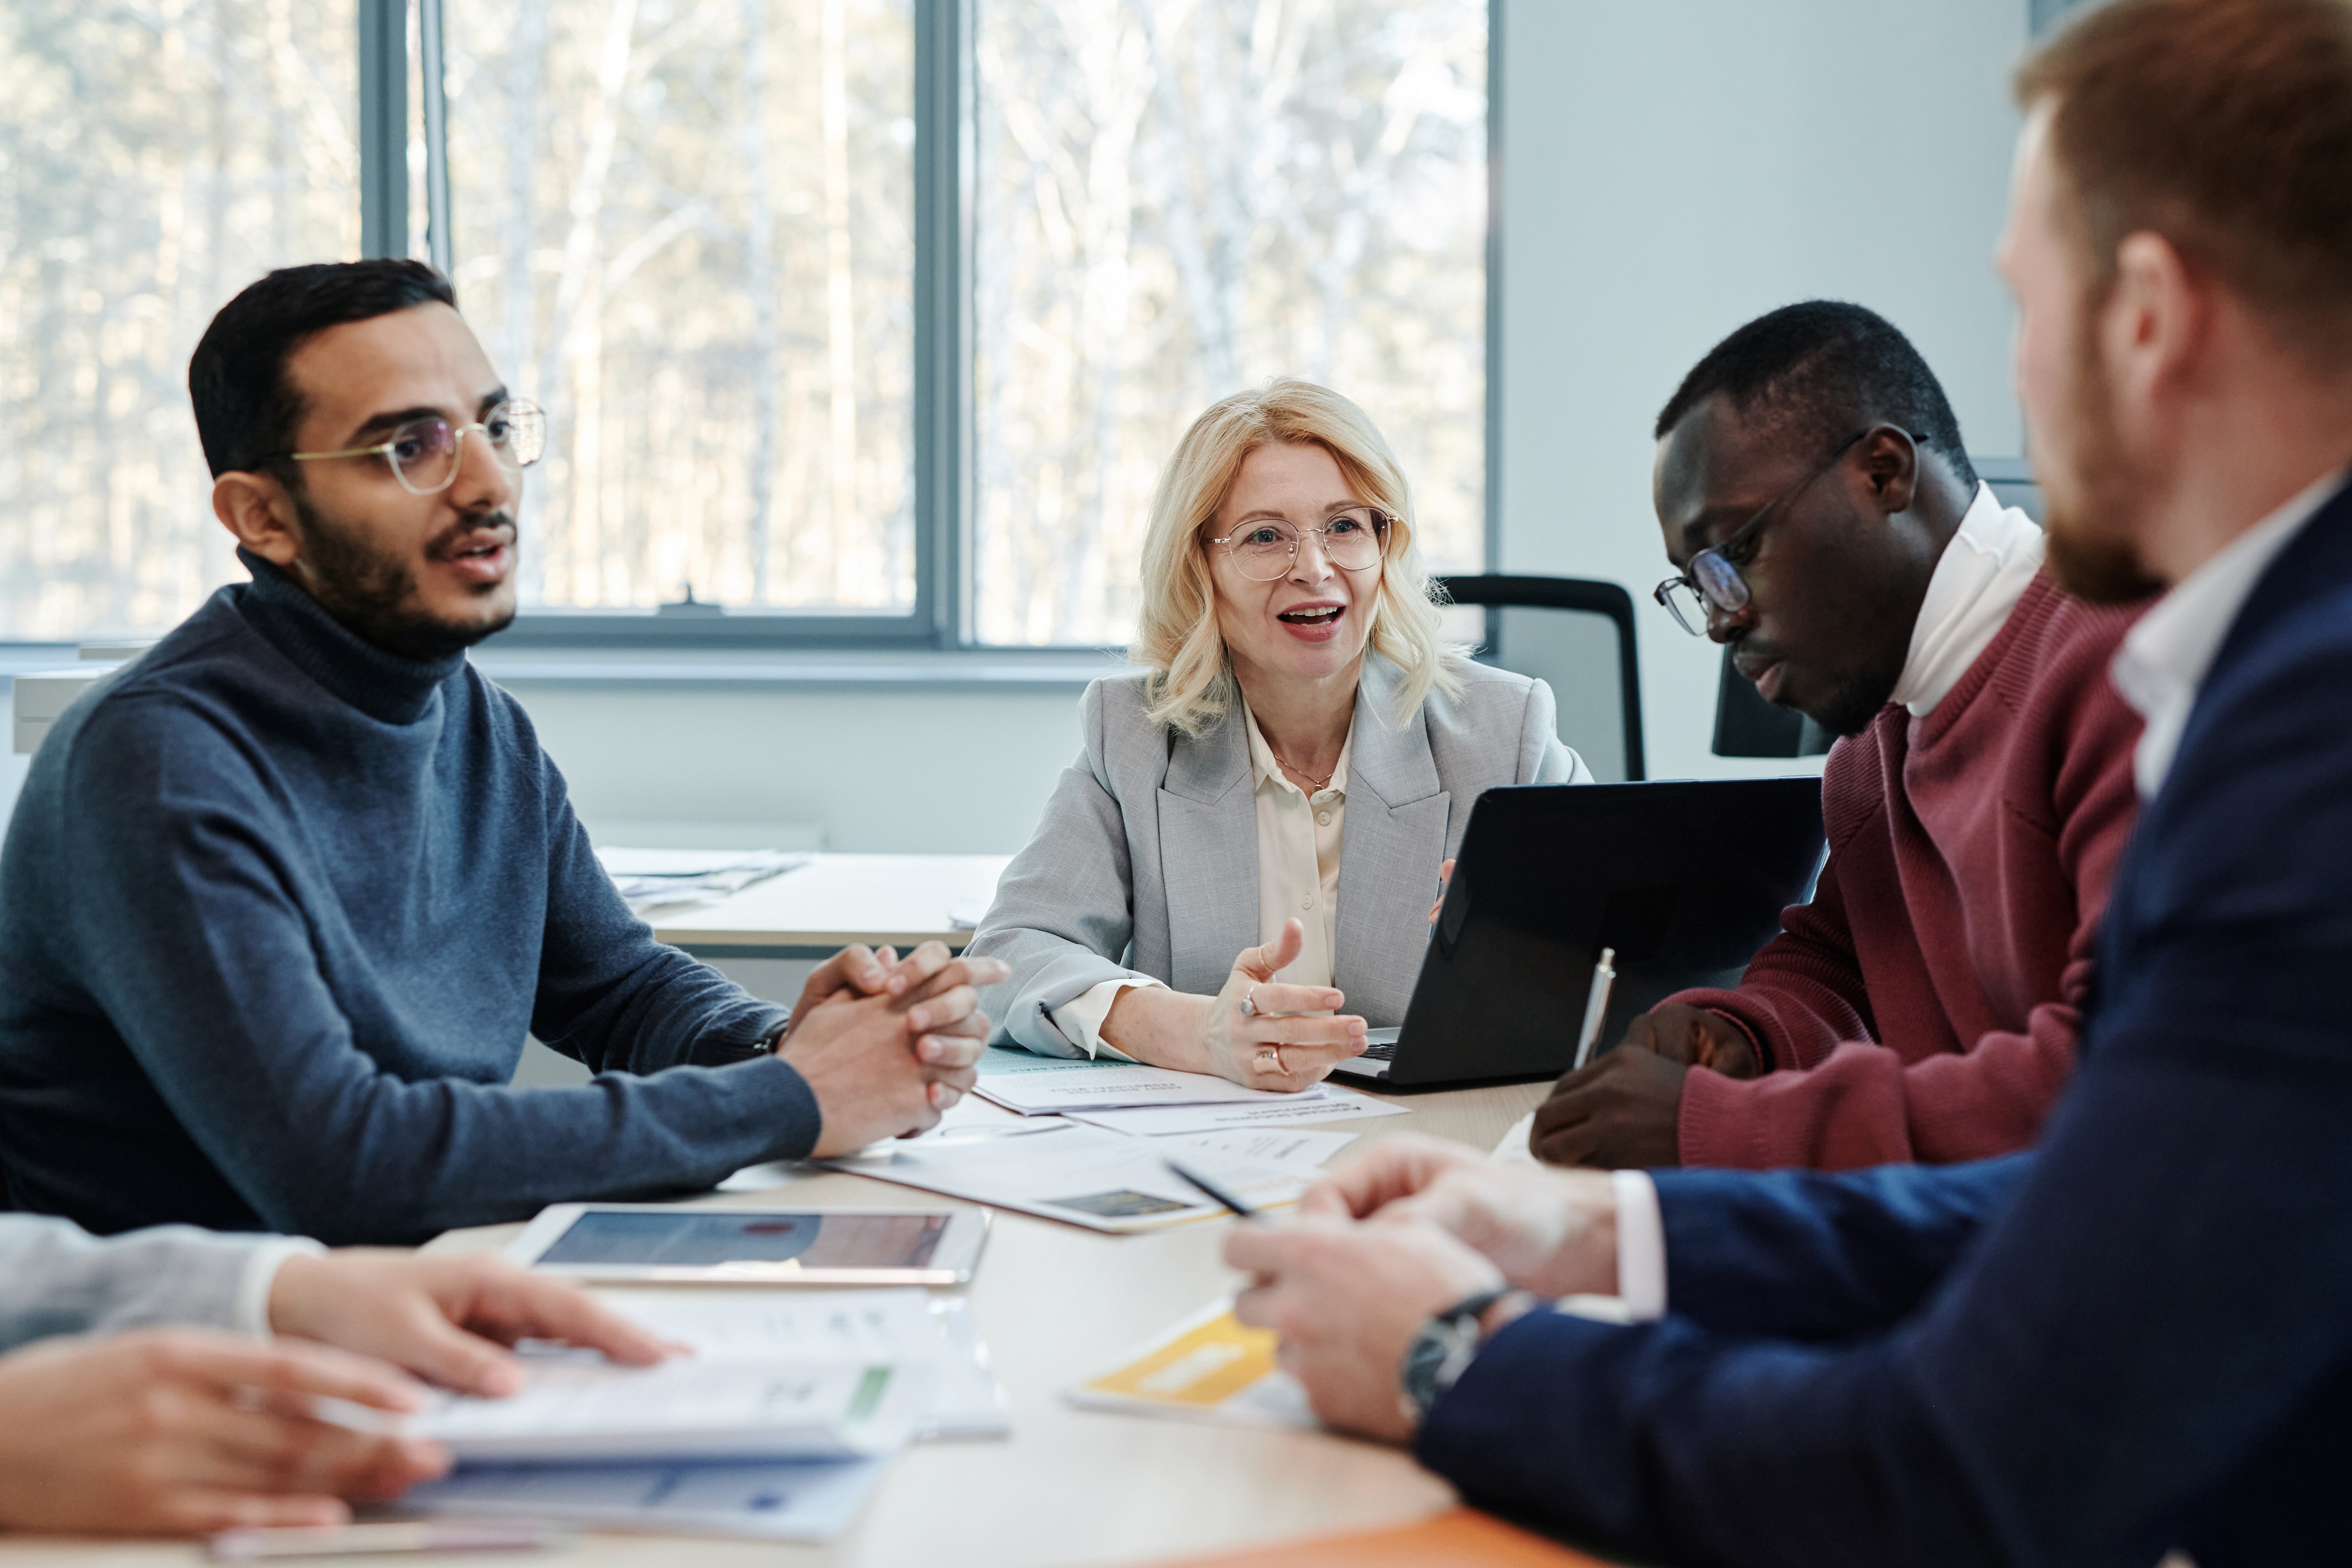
867, 319
153, 160
687, 229
1179, 199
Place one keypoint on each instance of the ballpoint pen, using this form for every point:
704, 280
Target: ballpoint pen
1211, 1188
1596, 1005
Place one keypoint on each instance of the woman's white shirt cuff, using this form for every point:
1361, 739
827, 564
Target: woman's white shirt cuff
261, 1273
1080, 1019
1641, 1248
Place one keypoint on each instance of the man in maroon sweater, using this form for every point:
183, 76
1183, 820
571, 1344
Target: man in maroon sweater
1827, 525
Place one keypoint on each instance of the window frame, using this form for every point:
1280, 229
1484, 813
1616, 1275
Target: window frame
945, 101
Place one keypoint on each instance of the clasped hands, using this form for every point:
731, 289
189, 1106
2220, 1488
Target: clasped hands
1382, 1245
887, 1045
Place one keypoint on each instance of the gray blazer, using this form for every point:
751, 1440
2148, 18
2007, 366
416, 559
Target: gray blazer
1146, 862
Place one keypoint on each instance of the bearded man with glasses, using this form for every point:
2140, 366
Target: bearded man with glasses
1829, 529
281, 900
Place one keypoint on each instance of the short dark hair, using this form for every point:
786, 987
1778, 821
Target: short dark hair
1822, 370
246, 409
2226, 127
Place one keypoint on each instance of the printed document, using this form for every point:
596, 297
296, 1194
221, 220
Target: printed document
1041, 1086
900, 1327
811, 1501
577, 1406
1334, 1104
1208, 1367
1103, 1180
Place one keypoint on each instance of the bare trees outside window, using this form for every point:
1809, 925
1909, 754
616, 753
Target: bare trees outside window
686, 227
1179, 199
153, 160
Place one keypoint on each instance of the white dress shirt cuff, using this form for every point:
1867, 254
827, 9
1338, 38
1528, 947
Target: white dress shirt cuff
1080, 1019
1641, 1248
260, 1274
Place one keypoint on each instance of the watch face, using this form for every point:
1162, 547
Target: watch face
1424, 1361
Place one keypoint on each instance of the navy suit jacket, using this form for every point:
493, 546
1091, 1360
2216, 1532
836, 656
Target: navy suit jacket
2136, 1337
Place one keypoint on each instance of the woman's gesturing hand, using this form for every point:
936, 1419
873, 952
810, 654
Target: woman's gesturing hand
1266, 1036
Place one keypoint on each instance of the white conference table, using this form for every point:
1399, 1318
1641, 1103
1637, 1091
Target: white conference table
834, 900
1053, 1304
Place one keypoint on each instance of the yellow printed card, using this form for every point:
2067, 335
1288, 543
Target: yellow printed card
1209, 1366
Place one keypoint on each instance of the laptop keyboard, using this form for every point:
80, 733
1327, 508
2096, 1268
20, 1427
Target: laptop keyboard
1381, 1051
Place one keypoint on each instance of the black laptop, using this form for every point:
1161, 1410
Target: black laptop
1684, 880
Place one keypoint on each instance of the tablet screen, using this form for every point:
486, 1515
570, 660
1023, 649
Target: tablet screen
710, 1239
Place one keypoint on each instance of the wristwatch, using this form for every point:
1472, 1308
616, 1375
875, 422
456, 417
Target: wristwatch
1442, 1351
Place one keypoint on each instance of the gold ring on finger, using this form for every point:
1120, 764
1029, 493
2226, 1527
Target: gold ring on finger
1249, 1003
1269, 1059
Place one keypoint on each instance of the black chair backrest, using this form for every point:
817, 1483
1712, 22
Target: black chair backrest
1748, 726
1576, 636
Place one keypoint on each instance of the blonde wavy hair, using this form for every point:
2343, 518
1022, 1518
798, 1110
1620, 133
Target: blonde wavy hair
1192, 684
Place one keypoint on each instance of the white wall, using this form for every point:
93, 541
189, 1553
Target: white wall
883, 772
1674, 167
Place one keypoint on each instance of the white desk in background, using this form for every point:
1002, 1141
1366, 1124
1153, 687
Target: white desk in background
835, 900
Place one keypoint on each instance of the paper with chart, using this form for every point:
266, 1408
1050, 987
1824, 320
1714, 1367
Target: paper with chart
900, 1327
1334, 1104
810, 1500
1044, 1085
1209, 1367
1084, 1175
574, 1406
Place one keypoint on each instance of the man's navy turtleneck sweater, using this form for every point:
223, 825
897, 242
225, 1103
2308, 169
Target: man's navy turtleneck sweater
277, 911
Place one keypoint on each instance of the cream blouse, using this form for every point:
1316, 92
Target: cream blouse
1297, 879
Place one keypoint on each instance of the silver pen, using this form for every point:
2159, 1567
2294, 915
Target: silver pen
1596, 1005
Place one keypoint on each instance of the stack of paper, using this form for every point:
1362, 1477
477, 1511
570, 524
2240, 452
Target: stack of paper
656, 879
779, 1425
778, 1501
573, 1407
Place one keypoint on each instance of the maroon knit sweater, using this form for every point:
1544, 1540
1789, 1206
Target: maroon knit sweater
1924, 1005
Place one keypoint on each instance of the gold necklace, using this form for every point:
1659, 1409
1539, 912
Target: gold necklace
1302, 772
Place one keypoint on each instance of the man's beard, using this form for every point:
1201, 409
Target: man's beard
2102, 569
373, 596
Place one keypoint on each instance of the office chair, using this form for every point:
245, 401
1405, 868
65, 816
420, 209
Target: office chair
1748, 726
1577, 636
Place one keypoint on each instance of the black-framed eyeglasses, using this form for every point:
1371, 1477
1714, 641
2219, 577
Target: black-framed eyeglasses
1712, 583
1352, 540
424, 452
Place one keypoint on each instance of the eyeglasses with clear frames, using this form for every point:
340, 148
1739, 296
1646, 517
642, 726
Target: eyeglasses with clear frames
1352, 540
425, 453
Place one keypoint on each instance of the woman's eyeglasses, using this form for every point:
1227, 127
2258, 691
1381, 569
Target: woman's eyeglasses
424, 453
1352, 540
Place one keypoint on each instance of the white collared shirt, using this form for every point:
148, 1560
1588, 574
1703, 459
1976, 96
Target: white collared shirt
2164, 657
1985, 569
1297, 879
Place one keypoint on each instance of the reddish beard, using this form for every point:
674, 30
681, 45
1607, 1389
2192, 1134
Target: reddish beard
2091, 508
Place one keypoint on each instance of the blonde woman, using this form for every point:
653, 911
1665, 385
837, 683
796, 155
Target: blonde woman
1250, 839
